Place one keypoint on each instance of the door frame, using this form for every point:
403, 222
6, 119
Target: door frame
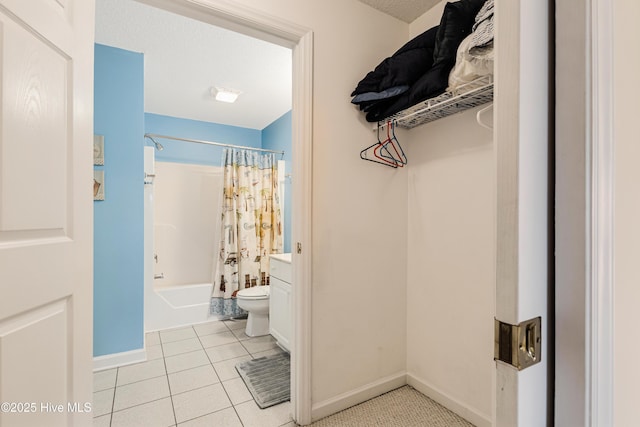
585, 213
600, 149
522, 138
600, 146
299, 39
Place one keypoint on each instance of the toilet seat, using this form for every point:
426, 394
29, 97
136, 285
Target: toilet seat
257, 292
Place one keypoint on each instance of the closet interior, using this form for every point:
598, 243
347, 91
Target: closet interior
478, 217
449, 157
444, 70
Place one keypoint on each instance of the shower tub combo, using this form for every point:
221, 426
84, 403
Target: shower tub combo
182, 216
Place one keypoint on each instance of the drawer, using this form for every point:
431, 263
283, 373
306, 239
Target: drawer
281, 270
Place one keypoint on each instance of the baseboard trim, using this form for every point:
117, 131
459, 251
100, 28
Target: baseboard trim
469, 414
354, 397
115, 360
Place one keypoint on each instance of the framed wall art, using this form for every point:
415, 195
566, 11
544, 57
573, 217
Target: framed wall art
98, 185
98, 150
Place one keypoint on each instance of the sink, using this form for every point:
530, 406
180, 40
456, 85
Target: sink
282, 257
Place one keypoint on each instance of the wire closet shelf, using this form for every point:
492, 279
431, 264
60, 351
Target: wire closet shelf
469, 95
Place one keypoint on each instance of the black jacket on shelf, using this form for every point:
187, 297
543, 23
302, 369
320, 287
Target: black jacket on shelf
403, 68
420, 69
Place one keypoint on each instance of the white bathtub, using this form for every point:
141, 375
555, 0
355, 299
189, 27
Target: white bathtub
178, 305
186, 296
182, 210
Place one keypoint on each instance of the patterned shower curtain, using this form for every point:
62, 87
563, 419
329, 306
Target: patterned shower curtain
251, 227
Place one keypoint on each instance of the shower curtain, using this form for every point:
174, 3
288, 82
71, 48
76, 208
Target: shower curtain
251, 227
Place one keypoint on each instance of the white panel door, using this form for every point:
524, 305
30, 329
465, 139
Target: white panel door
523, 223
46, 237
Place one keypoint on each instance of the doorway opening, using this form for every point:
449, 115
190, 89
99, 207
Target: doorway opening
299, 40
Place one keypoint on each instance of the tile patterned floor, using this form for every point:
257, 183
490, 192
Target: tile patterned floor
188, 380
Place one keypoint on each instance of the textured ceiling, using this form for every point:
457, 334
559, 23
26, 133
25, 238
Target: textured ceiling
405, 10
184, 59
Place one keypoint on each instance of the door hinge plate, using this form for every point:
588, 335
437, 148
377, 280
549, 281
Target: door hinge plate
518, 345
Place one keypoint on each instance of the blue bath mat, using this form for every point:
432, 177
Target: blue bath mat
267, 378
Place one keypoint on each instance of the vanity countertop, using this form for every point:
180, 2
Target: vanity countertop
282, 257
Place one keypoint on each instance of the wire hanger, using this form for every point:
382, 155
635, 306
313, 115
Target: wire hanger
384, 159
479, 117
399, 157
388, 152
389, 143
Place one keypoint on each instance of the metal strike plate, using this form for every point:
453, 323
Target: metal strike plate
518, 345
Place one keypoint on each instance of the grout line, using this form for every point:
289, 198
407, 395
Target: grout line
199, 388
246, 349
210, 362
166, 375
164, 361
140, 404
187, 369
221, 382
240, 378
113, 401
144, 379
214, 412
180, 340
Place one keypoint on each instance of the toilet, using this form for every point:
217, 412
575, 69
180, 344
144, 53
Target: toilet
256, 302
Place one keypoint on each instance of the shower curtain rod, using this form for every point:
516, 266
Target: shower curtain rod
154, 135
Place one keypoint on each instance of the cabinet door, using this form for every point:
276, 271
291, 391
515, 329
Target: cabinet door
280, 311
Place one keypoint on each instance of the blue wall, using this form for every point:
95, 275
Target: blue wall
277, 136
118, 220
188, 152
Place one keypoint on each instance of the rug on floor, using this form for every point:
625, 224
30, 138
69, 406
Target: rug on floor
267, 378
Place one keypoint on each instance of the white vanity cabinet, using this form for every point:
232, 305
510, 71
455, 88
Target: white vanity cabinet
280, 299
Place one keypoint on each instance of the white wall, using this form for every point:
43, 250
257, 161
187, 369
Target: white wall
365, 318
451, 257
626, 212
359, 295
187, 200
359, 208
429, 19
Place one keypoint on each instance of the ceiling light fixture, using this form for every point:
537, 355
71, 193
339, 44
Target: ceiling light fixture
225, 95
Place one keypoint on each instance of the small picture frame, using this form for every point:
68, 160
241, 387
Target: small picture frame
98, 185
98, 150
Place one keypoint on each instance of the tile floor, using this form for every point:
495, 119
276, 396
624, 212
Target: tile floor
189, 380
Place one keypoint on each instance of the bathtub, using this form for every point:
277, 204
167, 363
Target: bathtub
183, 297
180, 242
178, 305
